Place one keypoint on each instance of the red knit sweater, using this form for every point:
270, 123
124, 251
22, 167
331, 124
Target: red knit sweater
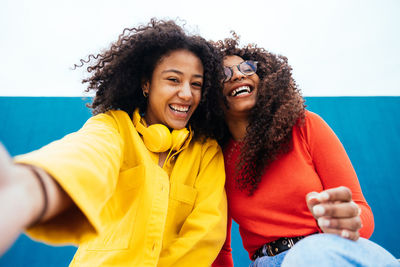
278, 208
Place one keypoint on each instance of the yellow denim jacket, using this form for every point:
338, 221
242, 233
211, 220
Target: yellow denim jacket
129, 211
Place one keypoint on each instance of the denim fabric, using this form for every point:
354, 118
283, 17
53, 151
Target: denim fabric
270, 261
330, 250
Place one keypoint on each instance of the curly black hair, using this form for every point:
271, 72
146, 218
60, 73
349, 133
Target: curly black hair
118, 73
279, 107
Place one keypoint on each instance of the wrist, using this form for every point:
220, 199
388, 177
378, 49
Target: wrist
32, 194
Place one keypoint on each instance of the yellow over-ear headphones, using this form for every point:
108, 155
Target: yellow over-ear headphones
157, 137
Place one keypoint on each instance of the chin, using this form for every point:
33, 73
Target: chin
249, 105
243, 108
177, 126
244, 105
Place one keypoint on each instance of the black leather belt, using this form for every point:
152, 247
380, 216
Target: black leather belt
275, 247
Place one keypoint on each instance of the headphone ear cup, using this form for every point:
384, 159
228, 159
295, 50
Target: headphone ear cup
157, 138
179, 137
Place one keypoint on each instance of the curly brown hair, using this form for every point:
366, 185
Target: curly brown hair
118, 73
279, 107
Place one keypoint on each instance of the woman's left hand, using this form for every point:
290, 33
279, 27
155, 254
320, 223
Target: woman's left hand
336, 212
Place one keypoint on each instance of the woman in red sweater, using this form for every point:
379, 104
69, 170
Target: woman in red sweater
277, 157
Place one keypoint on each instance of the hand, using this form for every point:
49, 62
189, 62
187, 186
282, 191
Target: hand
336, 212
20, 199
5, 167
9, 228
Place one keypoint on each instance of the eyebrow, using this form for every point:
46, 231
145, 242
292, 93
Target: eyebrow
235, 64
181, 73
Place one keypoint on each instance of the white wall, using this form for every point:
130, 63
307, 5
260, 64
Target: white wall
336, 47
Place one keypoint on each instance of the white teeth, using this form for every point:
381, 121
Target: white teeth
241, 90
180, 108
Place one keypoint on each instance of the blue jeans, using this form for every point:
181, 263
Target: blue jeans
330, 250
270, 261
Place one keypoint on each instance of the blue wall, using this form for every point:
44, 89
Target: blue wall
369, 128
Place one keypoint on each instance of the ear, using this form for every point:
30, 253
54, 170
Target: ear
146, 87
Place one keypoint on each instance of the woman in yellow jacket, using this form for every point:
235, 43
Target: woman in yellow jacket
125, 188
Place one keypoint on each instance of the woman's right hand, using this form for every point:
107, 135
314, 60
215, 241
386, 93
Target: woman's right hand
22, 200
11, 207
336, 212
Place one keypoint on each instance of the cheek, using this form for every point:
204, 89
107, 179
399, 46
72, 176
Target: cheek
196, 97
256, 81
225, 89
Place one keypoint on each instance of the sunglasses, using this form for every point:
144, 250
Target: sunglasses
248, 67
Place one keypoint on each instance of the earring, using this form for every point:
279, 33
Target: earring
145, 94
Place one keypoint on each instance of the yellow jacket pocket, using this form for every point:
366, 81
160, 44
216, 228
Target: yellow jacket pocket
183, 193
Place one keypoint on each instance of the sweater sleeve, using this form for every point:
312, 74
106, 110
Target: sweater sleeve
333, 165
204, 230
86, 165
224, 258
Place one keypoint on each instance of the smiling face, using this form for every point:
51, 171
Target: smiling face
241, 90
174, 90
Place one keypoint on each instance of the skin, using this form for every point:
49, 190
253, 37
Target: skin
175, 85
237, 114
18, 182
334, 209
336, 212
174, 91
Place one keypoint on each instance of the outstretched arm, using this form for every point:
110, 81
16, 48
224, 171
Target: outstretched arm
26, 197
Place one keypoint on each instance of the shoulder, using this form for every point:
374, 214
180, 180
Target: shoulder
205, 145
312, 125
311, 117
313, 121
110, 116
112, 119
210, 144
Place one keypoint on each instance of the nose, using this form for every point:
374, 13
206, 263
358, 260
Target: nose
185, 92
237, 75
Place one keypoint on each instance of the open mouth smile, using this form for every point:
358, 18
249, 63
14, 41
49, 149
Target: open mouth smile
242, 90
179, 108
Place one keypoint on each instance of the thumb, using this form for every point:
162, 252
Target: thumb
5, 162
312, 200
4, 156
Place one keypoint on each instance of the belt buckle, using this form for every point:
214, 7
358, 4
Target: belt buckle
291, 242
269, 250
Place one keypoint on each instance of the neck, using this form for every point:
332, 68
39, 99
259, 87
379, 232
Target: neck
237, 127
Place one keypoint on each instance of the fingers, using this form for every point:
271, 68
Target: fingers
5, 166
336, 210
337, 194
4, 156
312, 199
339, 218
351, 224
317, 197
340, 193
334, 202
352, 235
